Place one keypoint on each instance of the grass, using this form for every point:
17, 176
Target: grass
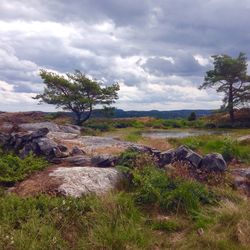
66, 223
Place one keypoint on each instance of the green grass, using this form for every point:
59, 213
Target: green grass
13, 169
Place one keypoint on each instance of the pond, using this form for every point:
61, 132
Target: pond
181, 133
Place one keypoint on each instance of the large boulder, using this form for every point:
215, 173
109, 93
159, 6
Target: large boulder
213, 162
78, 181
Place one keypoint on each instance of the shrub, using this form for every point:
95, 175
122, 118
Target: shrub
153, 187
13, 168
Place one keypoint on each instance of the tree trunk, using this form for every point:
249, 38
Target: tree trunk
230, 103
80, 120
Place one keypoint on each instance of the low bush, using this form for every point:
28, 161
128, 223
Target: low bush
13, 168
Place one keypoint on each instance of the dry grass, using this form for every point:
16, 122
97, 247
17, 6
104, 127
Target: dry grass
160, 144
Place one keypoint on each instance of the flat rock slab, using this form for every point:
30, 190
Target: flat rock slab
69, 181
93, 145
77, 181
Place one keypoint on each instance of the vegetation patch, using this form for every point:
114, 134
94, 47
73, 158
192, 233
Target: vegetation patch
13, 168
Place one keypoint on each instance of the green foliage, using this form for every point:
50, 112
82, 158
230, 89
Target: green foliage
13, 169
76, 93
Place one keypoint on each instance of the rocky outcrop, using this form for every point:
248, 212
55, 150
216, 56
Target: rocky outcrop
24, 143
52, 127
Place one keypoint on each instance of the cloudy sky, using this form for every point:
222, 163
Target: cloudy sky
158, 50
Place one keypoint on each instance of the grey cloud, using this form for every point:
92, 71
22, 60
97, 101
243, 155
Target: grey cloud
184, 65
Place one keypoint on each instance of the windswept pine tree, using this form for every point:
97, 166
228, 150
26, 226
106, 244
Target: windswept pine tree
77, 93
230, 77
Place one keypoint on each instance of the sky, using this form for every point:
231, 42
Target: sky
158, 50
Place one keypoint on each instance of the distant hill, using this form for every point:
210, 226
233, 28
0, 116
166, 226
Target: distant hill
119, 113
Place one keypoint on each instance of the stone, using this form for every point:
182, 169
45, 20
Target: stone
4, 138
214, 162
244, 139
78, 160
63, 148
52, 127
104, 160
39, 133
194, 158
69, 128
166, 157
77, 151
79, 181
46, 146
155, 152
181, 152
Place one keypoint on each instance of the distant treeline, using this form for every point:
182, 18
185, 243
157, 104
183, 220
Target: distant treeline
119, 113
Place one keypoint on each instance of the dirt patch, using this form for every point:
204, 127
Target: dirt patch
38, 183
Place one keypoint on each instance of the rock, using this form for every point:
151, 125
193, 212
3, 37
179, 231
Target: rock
78, 181
46, 146
77, 151
166, 157
213, 162
78, 160
39, 133
52, 127
155, 152
73, 129
62, 148
104, 161
4, 138
181, 152
194, 158
244, 139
